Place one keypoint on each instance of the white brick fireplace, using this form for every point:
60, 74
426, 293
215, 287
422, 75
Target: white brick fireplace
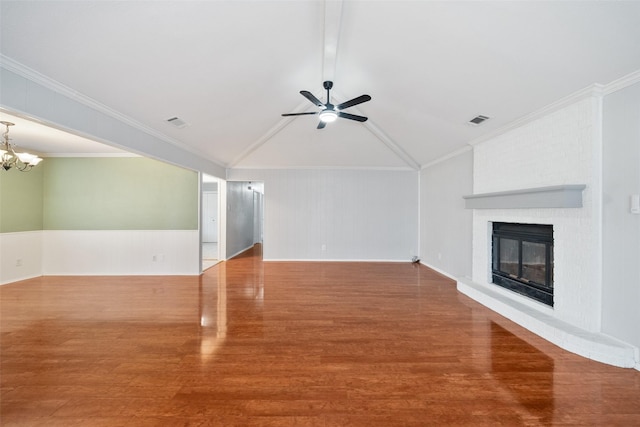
560, 150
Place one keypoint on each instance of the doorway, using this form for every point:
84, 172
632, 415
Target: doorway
210, 221
244, 216
258, 213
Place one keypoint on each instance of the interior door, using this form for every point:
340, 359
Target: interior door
209, 217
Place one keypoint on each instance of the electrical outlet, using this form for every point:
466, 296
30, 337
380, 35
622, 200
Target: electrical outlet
324, 247
19, 262
154, 258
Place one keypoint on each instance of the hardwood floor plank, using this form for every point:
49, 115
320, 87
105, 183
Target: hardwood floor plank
283, 344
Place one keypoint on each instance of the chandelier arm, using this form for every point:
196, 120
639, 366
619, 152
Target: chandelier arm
10, 158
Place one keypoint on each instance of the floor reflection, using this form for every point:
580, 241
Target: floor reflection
523, 361
223, 296
213, 312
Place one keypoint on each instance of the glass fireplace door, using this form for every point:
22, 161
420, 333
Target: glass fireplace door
522, 259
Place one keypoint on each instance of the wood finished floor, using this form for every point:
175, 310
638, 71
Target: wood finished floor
287, 344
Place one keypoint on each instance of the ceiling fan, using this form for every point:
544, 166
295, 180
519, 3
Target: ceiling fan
329, 112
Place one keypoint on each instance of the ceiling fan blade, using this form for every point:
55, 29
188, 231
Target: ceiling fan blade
311, 98
354, 101
300, 114
352, 117
321, 124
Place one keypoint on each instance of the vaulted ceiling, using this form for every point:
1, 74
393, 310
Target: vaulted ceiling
231, 68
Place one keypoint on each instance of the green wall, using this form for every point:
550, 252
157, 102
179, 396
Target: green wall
119, 193
113, 193
21, 200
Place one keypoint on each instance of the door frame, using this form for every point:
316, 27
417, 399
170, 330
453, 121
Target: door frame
221, 216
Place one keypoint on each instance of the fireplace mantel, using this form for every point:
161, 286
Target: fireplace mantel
558, 196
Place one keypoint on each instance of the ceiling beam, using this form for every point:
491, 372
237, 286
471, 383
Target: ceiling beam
380, 135
332, 25
332, 22
282, 123
392, 145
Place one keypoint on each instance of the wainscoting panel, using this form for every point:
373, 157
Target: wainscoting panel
120, 252
20, 256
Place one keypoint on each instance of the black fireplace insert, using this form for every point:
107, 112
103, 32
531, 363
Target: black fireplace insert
522, 259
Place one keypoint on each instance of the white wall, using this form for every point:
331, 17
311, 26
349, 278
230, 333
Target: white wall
120, 252
21, 256
621, 229
320, 214
239, 209
98, 252
445, 224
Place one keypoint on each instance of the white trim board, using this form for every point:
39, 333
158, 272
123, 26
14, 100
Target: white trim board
558, 196
332, 260
592, 345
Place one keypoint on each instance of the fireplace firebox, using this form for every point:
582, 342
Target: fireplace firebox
522, 259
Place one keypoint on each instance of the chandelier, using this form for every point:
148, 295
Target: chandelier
8, 156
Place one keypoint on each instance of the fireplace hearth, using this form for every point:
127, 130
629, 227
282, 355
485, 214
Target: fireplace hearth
522, 259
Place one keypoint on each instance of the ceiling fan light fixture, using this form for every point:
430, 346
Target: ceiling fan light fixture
328, 112
328, 116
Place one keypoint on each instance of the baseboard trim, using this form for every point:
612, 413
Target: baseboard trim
333, 260
440, 271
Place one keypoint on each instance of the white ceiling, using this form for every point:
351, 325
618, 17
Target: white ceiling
230, 68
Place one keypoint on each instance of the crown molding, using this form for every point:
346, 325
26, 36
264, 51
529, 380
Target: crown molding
92, 155
622, 82
49, 83
595, 90
325, 168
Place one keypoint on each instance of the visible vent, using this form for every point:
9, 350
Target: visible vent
177, 122
478, 120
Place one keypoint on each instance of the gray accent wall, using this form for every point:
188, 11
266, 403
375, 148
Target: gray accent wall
344, 214
445, 224
621, 228
239, 218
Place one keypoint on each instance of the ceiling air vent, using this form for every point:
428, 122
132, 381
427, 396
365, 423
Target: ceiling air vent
177, 122
478, 120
